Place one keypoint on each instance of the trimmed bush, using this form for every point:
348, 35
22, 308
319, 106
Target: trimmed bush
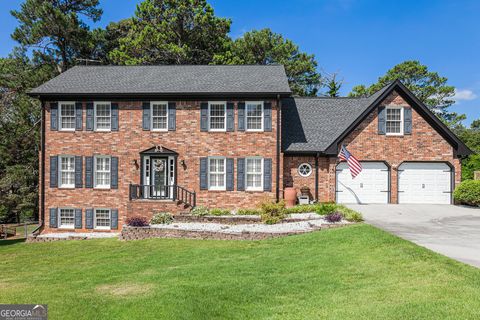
349, 214
199, 211
162, 218
137, 221
334, 217
326, 208
302, 208
219, 212
248, 212
468, 192
272, 212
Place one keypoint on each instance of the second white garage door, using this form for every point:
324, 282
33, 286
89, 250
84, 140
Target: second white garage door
424, 182
370, 186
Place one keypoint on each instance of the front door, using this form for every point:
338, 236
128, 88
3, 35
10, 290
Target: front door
159, 176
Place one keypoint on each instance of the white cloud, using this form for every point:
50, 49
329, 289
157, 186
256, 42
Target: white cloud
464, 94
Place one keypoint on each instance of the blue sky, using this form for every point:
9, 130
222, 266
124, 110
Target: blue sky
358, 39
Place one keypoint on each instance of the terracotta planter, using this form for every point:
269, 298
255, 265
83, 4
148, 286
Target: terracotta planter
290, 196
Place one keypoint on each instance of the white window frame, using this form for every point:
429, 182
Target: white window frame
151, 114
209, 116
401, 121
247, 188
60, 172
305, 164
95, 185
95, 116
246, 116
95, 219
60, 103
216, 188
60, 226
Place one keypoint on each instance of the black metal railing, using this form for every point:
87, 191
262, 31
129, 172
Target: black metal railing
168, 192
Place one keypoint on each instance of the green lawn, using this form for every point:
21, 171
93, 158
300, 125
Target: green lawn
356, 272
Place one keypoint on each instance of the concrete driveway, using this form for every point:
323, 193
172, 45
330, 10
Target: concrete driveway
453, 231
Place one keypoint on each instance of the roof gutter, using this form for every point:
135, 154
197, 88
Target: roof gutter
279, 130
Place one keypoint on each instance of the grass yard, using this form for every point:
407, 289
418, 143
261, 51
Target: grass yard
356, 272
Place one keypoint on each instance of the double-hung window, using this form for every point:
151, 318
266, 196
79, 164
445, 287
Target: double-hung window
102, 172
66, 218
66, 178
254, 174
216, 173
159, 116
394, 120
103, 116
102, 219
66, 116
254, 115
217, 116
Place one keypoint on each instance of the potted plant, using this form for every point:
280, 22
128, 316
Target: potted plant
305, 191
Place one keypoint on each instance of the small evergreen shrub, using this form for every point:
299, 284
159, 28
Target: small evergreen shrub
272, 212
468, 192
219, 212
137, 221
162, 218
302, 208
349, 214
199, 211
248, 212
326, 208
334, 217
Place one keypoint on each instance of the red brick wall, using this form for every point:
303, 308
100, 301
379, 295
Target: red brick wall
424, 144
188, 141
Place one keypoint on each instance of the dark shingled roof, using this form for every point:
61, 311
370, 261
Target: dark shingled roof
168, 79
313, 124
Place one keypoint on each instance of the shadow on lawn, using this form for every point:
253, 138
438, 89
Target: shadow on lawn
9, 242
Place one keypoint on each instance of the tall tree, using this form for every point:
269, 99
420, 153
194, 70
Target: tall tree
428, 86
266, 47
54, 30
333, 86
172, 32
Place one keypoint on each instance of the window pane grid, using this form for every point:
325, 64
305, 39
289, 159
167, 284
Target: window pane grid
159, 116
217, 173
67, 218
393, 120
103, 116
67, 171
217, 116
102, 172
67, 116
102, 218
254, 116
254, 173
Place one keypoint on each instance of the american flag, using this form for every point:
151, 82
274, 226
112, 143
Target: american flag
353, 164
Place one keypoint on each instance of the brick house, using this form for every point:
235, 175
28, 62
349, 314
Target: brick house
119, 141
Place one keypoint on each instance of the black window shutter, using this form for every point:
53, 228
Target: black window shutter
382, 121
53, 171
114, 119
146, 115
407, 121
78, 218
203, 173
241, 174
267, 116
90, 116
54, 116
53, 218
230, 117
78, 171
229, 181
267, 174
114, 172
78, 116
114, 219
241, 116
172, 116
89, 218
88, 172
204, 116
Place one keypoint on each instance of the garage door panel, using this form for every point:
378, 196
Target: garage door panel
424, 182
368, 187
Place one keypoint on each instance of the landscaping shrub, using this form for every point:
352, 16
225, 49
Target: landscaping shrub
199, 211
272, 212
326, 208
468, 192
219, 212
349, 214
248, 212
162, 218
334, 217
302, 208
137, 221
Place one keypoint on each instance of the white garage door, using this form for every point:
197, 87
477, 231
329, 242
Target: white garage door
370, 186
424, 182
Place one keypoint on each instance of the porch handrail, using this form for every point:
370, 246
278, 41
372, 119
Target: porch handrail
167, 192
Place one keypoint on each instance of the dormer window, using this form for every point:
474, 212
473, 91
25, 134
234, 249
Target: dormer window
394, 121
